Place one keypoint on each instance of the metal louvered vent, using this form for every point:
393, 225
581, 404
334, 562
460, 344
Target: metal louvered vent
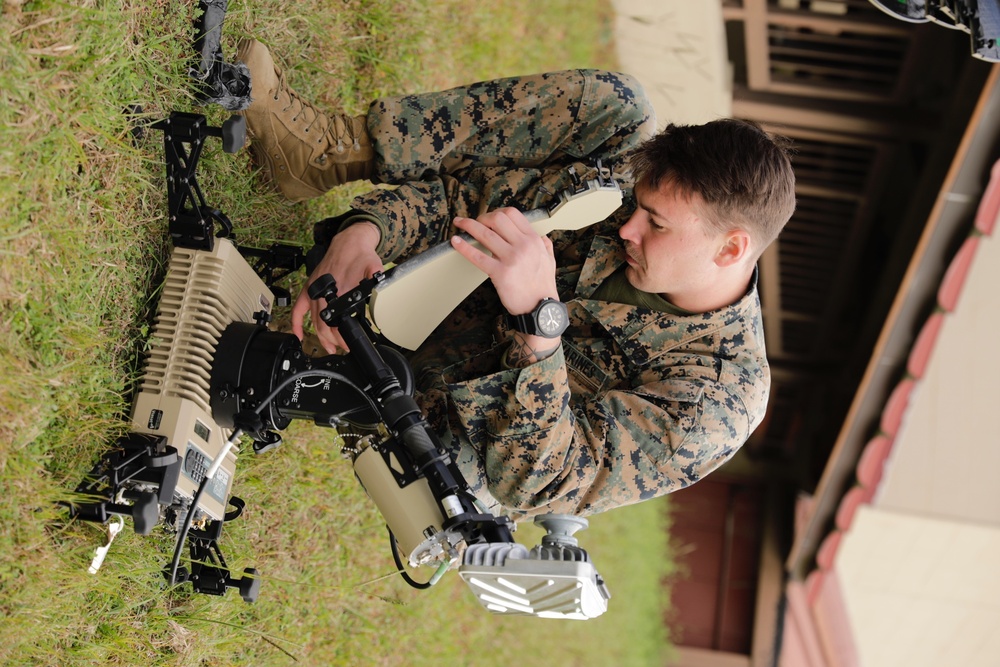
189, 321
866, 63
825, 49
835, 165
554, 580
812, 271
810, 250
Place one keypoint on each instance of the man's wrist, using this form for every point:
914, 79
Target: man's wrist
548, 320
525, 350
367, 222
368, 228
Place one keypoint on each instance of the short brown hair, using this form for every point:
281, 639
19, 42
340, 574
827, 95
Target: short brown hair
742, 173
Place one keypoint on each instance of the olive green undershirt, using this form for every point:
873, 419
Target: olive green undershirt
617, 289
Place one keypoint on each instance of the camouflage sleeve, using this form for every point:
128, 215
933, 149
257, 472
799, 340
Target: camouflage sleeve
543, 452
412, 218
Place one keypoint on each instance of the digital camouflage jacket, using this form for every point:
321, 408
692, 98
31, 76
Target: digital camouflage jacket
636, 403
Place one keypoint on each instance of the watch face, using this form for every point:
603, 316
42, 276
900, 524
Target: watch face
551, 319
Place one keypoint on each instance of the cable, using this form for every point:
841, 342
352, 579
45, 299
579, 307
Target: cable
186, 526
315, 373
217, 462
476, 502
399, 565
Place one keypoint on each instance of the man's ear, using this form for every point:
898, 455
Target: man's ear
735, 248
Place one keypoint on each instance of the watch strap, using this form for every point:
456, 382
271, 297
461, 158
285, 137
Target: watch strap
528, 322
524, 323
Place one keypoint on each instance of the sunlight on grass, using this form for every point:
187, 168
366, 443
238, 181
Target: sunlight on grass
82, 249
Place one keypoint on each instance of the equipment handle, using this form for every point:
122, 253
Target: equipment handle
420, 292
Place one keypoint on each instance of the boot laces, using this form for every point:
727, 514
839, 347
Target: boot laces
325, 127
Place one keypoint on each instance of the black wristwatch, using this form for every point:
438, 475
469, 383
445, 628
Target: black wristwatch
549, 319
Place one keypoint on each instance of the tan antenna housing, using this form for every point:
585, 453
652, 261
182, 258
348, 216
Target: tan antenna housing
204, 292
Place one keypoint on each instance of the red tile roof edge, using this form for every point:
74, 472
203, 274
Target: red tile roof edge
806, 599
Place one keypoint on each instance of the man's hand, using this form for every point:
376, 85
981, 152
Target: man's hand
350, 259
522, 267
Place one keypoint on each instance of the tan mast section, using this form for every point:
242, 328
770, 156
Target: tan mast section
419, 293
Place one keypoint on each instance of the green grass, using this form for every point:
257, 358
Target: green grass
82, 246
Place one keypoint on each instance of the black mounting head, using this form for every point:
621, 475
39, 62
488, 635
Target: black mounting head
340, 308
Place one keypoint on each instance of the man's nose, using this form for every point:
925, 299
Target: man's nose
628, 231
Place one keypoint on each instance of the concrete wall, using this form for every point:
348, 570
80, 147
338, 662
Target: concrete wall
677, 49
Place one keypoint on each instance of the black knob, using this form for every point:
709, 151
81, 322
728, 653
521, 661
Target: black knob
282, 297
324, 286
234, 133
249, 585
266, 441
145, 513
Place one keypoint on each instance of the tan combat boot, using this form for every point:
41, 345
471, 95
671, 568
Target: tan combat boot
301, 151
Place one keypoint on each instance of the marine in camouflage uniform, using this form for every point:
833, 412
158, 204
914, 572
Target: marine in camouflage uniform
638, 401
